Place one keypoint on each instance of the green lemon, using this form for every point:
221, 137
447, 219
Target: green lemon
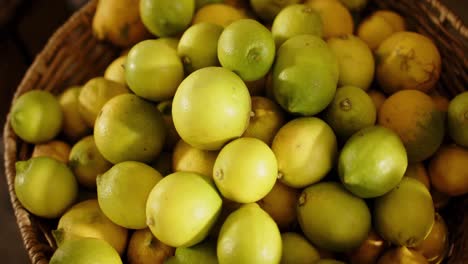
211, 107
267, 10
198, 46
332, 218
351, 110
245, 170
74, 125
249, 236
166, 18
36, 116
306, 150
457, 119
86, 162
247, 48
153, 70
123, 190
85, 251
296, 20
45, 186
297, 250
204, 252
182, 208
372, 162
129, 128
94, 94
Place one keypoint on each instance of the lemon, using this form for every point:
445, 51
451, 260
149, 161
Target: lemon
123, 190
245, 170
377, 97
280, 204
457, 120
336, 19
379, 26
166, 18
56, 149
306, 150
144, 248
351, 110
85, 219
86, 162
249, 236
372, 162
402, 255
74, 125
247, 48
297, 250
267, 10
198, 46
355, 5
190, 159
219, 14
296, 20
153, 70
85, 251
355, 59
219, 102
201, 3
45, 186
94, 94
36, 116
182, 208
129, 128
266, 119
116, 70
204, 252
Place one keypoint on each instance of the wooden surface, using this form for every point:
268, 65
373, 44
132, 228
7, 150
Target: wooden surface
20, 40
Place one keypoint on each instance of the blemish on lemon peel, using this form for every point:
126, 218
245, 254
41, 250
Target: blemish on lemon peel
219, 174
302, 199
280, 175
345, 104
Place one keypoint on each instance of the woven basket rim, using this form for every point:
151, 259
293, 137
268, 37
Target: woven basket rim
10, 139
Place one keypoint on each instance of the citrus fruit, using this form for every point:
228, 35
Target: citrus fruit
267, 10
94, 94
418, 171
182, 208
36, 116
129, 128
458, 119
219, 14
407, 60
447, 170
56, 149
247, 48
336, 18
190, 159
265, 121
351, 110
395, 217
123, 190
144, 248
333, 218
297, 250
372, 162
296, 20
45, 186
369, 251
377, 97
305, 75
441, 102
116, 71
198, 46
220, 102
354, 5
201, 3
379, 26
74, 125
245, 170
85, 219
402, 255
165, 107
249, 235
153, 70
414, 117
435, 246
204, 252
280, 204
166, 18
355, 60
86, 162
306, 151
85, 251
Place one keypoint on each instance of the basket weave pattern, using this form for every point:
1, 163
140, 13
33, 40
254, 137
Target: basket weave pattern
73, 55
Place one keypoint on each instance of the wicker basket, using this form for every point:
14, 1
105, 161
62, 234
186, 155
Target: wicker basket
73, 56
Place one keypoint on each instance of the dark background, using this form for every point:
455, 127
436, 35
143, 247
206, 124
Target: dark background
24, 35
